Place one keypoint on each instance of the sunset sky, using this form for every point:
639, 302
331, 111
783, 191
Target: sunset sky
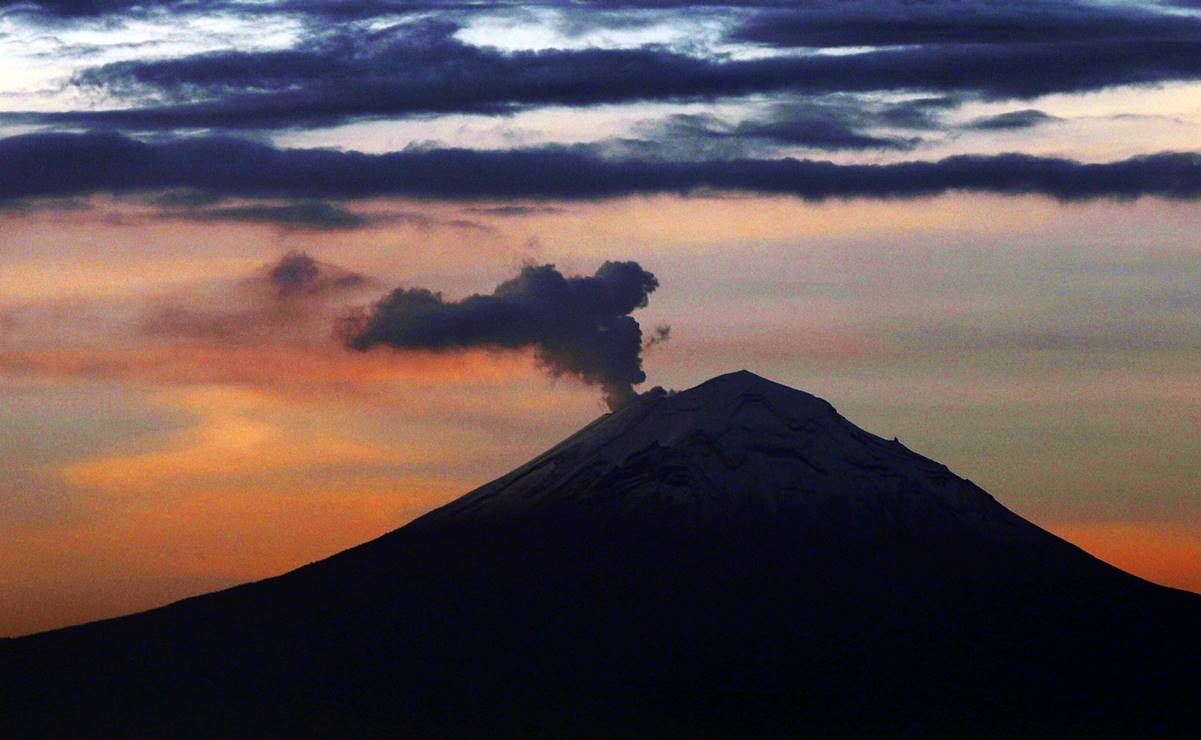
969, 224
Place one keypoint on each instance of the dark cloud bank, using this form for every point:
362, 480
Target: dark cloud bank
44, 165
578, 326
848, 23
240, 90
348, 70
323, 9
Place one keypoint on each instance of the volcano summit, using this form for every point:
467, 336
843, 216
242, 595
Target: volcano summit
735, 560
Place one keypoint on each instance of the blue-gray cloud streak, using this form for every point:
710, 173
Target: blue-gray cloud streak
40, 165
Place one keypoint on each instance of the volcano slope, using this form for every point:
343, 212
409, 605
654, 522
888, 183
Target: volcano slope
732, 560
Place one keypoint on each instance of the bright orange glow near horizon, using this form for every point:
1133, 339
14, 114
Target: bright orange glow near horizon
1162, 552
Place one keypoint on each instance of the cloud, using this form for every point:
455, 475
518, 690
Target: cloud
84, 8
917, 113
818, 127
40, 165
34, 206
578, 326
288, 301
316, 215
829, 124
1012, 120
816, 24
357, 71
849, 23
311, 215
339, 10
513, 210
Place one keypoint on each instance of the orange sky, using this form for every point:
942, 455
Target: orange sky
1047, 352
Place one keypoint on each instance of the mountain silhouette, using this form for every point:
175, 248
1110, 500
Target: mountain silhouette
734, 560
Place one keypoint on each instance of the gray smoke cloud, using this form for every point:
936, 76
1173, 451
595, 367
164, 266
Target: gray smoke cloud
578, 326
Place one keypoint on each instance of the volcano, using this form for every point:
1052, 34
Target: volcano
734, 560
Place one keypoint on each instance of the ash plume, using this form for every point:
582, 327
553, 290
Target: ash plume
297, 273
291, 298
660, 335
577, 325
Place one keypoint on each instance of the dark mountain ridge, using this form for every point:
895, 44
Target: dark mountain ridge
732, 560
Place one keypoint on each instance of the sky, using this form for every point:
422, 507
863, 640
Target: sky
278, 276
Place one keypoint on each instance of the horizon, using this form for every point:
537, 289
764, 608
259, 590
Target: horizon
278, 278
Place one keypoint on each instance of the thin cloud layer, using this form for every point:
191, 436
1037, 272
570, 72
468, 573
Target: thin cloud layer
297, 215
76, 10
827, 124
81, 8
310, 215
578, 326
859, 23
41, 165
1013, 120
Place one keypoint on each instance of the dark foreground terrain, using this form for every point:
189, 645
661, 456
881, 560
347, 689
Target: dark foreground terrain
733, 560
